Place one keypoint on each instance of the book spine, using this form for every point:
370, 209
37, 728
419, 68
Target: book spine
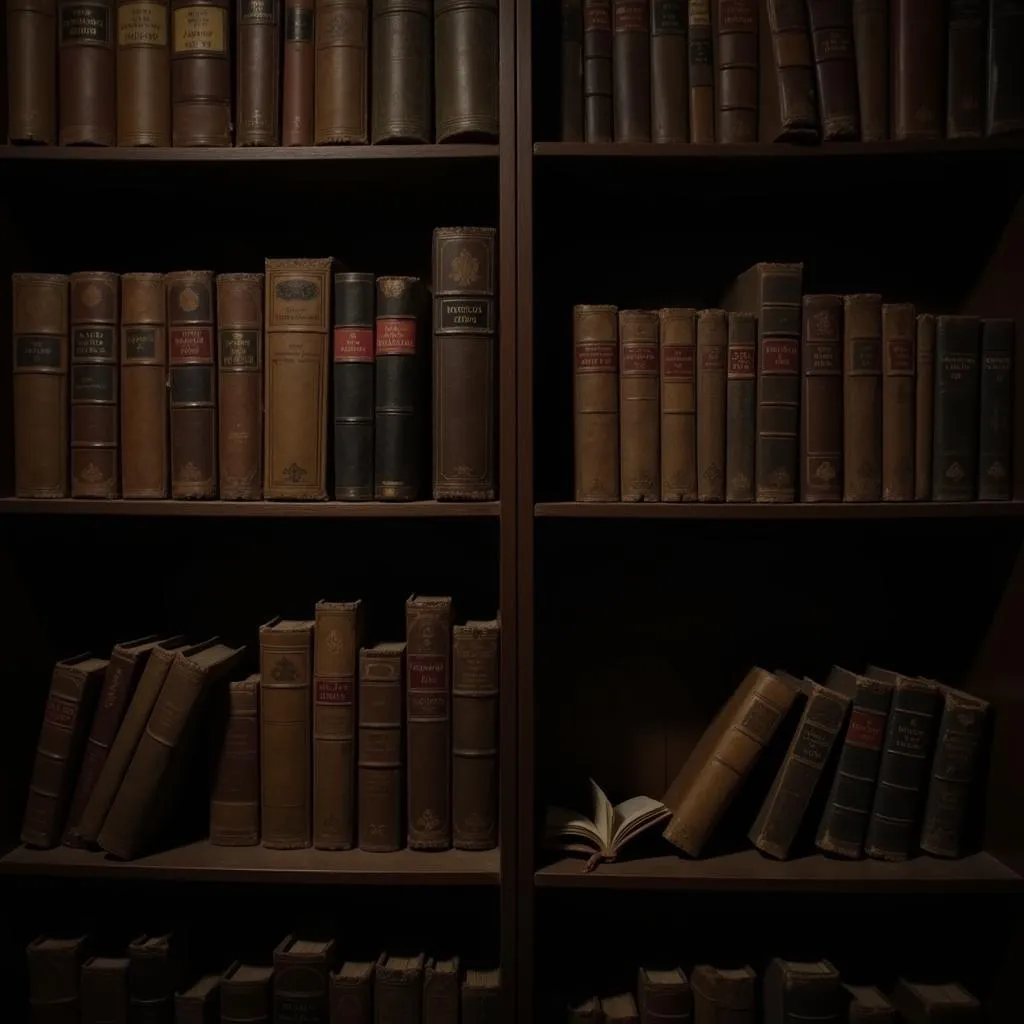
143, 73
871, 47
87, 72
899, 367
738, 66
298, 99
402, 71
597, 70
701, 71
466, 72
301, 986
200, 73
832, 42
352, 998
32, 71
712, 348
398, 992
258, 56
670, 114
741, 407
794, 70
955, 431
821, 440
596, 403
381, 720
639, 428
572, 71
924, 406
341, 72
441, 992
152, 978
862, 398
235, 799
247, 1001
795, 992
54, 990
965, 87
995, 447
678, 347
631, 71
919, 69
103, 991
1004, 110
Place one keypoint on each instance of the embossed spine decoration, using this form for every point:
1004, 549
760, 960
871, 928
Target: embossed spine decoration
143, 73
712, 349
32, 71
466, 72
596, 403
821, 439
200, 73
955, 434
862, 397
299, 73
740, 407
341, 79
678, 350
639, 434
258, 73
87, 72
402, 72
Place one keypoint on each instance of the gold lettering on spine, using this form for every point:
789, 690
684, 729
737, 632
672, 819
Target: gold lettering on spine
200, 30
142, 24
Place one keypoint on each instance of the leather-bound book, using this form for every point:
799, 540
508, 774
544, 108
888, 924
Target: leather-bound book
481, 997
955, 409
87, 72
94, 391
104, 990
466, 70
728, 994
585, 1011
995, 444
737, 67
200, 1003
193, 383
899, 330
701, 71
464, 360
862, 397
353, 386
286, 749
351, 993
596, 403
335, 663
200, 73
712, 349
70, 705
867, 1005
295, 425
398, 990
153, 976
245, 994
789, 105
302, 970
235, 798
678, 345
639, 422
259, 66
144, 457
801, 991
724, 757
40, 388
597, 70
402, 70
871, 49
821, 439
476, 668
1004, 109
399, 402
924, 1004
441, 991
428, 636
631, 71
919, 69
240, 384
924, 406
620, 1009
147, 791
342, 36
143, 73
381, 719
32, 71
298, 102
741, 407
965, 84
53, 978
670, 112
664, 996
836, 66
572, 71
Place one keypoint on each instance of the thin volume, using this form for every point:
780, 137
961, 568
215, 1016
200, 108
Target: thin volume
631, 71
965, 83
298, 103
712, 348
737, 64
342, 37
741, 407
402, 70
899, 329
32, 71
955, 430
639, 427
836, 66
143, 73
87, 72
466, 70
596, 403
259, 62
821, 436
871, 48
678, 333
597, 70
996, 417
1004, 109
701, 68
919, 69
862, 397
789, 109
572, 71
200, 73
924, 403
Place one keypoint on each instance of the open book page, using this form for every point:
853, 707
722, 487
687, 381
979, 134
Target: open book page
604, 815
634, 816
564, 826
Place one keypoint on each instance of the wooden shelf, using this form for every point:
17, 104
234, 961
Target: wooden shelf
241, 154
795, 510
749, 870
203, 862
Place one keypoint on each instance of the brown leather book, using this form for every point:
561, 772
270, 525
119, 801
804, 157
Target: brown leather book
94, 391
193, 378
147, 791
867, 1005
402, 71
32, 71
342, 33
398, 989
381, 721
144, 456
235, 798
441, 991
664, 996
302, 970
741, 407
143, 73
721, 995
795, 990
955, 408
631, 71
245, 994
620, 1009
923, 1004
965, 84
862, 398
789, 103
86, 72
53, 978
335, 664
701, 71
104, 990
899, 329
40, 388
836, 65
670, 112
572, 71
464, 362
1004, 110
712, 349
153, 975
724, 757
821, 439
678, 338
919, 69
482, 997
871, 50
995, 416
596, 403
639, 421
351, 993
259, 67
200, 1003
736, 70
70, 705
240, 383
597, 70
295, 425
924, 403
200, 73
466, 70
428, 635
286, 749
297, 108
476, 672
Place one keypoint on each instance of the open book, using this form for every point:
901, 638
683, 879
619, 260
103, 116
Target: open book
608, 831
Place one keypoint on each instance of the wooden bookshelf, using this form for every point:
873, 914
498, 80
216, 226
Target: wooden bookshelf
794, 510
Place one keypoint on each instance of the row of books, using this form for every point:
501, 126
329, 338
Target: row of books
792, 397
662, 71
157, 74
318, 748
306, 980
227, 382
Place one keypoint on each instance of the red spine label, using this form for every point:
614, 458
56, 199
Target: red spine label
640, 357
334, 691
741, 362
60, 712
900, 352
353, 344
597, 15
396, 337
780, 356
677, 361
190, 344
597, 355
427, 672
867, 729
712, 358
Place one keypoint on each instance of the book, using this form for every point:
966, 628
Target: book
235, 799
597, 70
923, 1003
899, 366
955, 409
482, 997
86, 73
995, 416
724, 994
663, 996
831, 27
795, 990
789, 104
737, 70
741, 407
620, 1009
596, 403
398, 989
402, 40
712, 347
200, 1002
32, 71
701, 71
143, 73
302, 969
639, 426
342, 63
104, 990
871, 48
351, 993
631, 71
862, 397
678, 348
245, 994
466, 70
571, 68
298, 92
868, 1005
821, 400
258, 67
200, 73
918, 59
53, 977
441, 991
670, 113
154, 973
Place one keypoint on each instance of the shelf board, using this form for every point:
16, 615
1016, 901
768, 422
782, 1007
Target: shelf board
792, 510
749, 870
201, 861
241, 154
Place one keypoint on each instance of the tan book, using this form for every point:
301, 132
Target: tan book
235, 800
639, 429
712, 345
596, 403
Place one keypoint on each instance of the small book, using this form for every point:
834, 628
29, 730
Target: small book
608, 830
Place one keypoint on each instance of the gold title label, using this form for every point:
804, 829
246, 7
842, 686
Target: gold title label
142, 24
200, 30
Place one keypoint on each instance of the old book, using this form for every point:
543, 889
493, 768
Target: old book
149, 787
40, 387
400, 414
700, 71
302, 969
871, 48
955, 408
336, 646
965, 83
995, 418
918, 69
381, 748
899, 365
844, 823
608, 829
32, 71
441, 991
144, 458
199, 1003
741, 407
286, 655
867, 1005
466, 70
1004, 109
737, 67
104, 990
835, 63
596, 403
154, 972
476, 671
402, 71
789, 103
295, 424
298, 101
631, 71
821, 439
86, 72
795, 990
664, 996
724, 757
862, 398
597, 70
351, 993
712, 347
245, 994
678, 401
342, 34
585, 1011
235, 798
572, 71
670, 113
482, 997
428, 635
464, 362
353, 386
53, 978
143, 73
258, 53
620, 1009
200, 73
924, 405
70, 705
728, 994
639, 426
398, 989
922, 1004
